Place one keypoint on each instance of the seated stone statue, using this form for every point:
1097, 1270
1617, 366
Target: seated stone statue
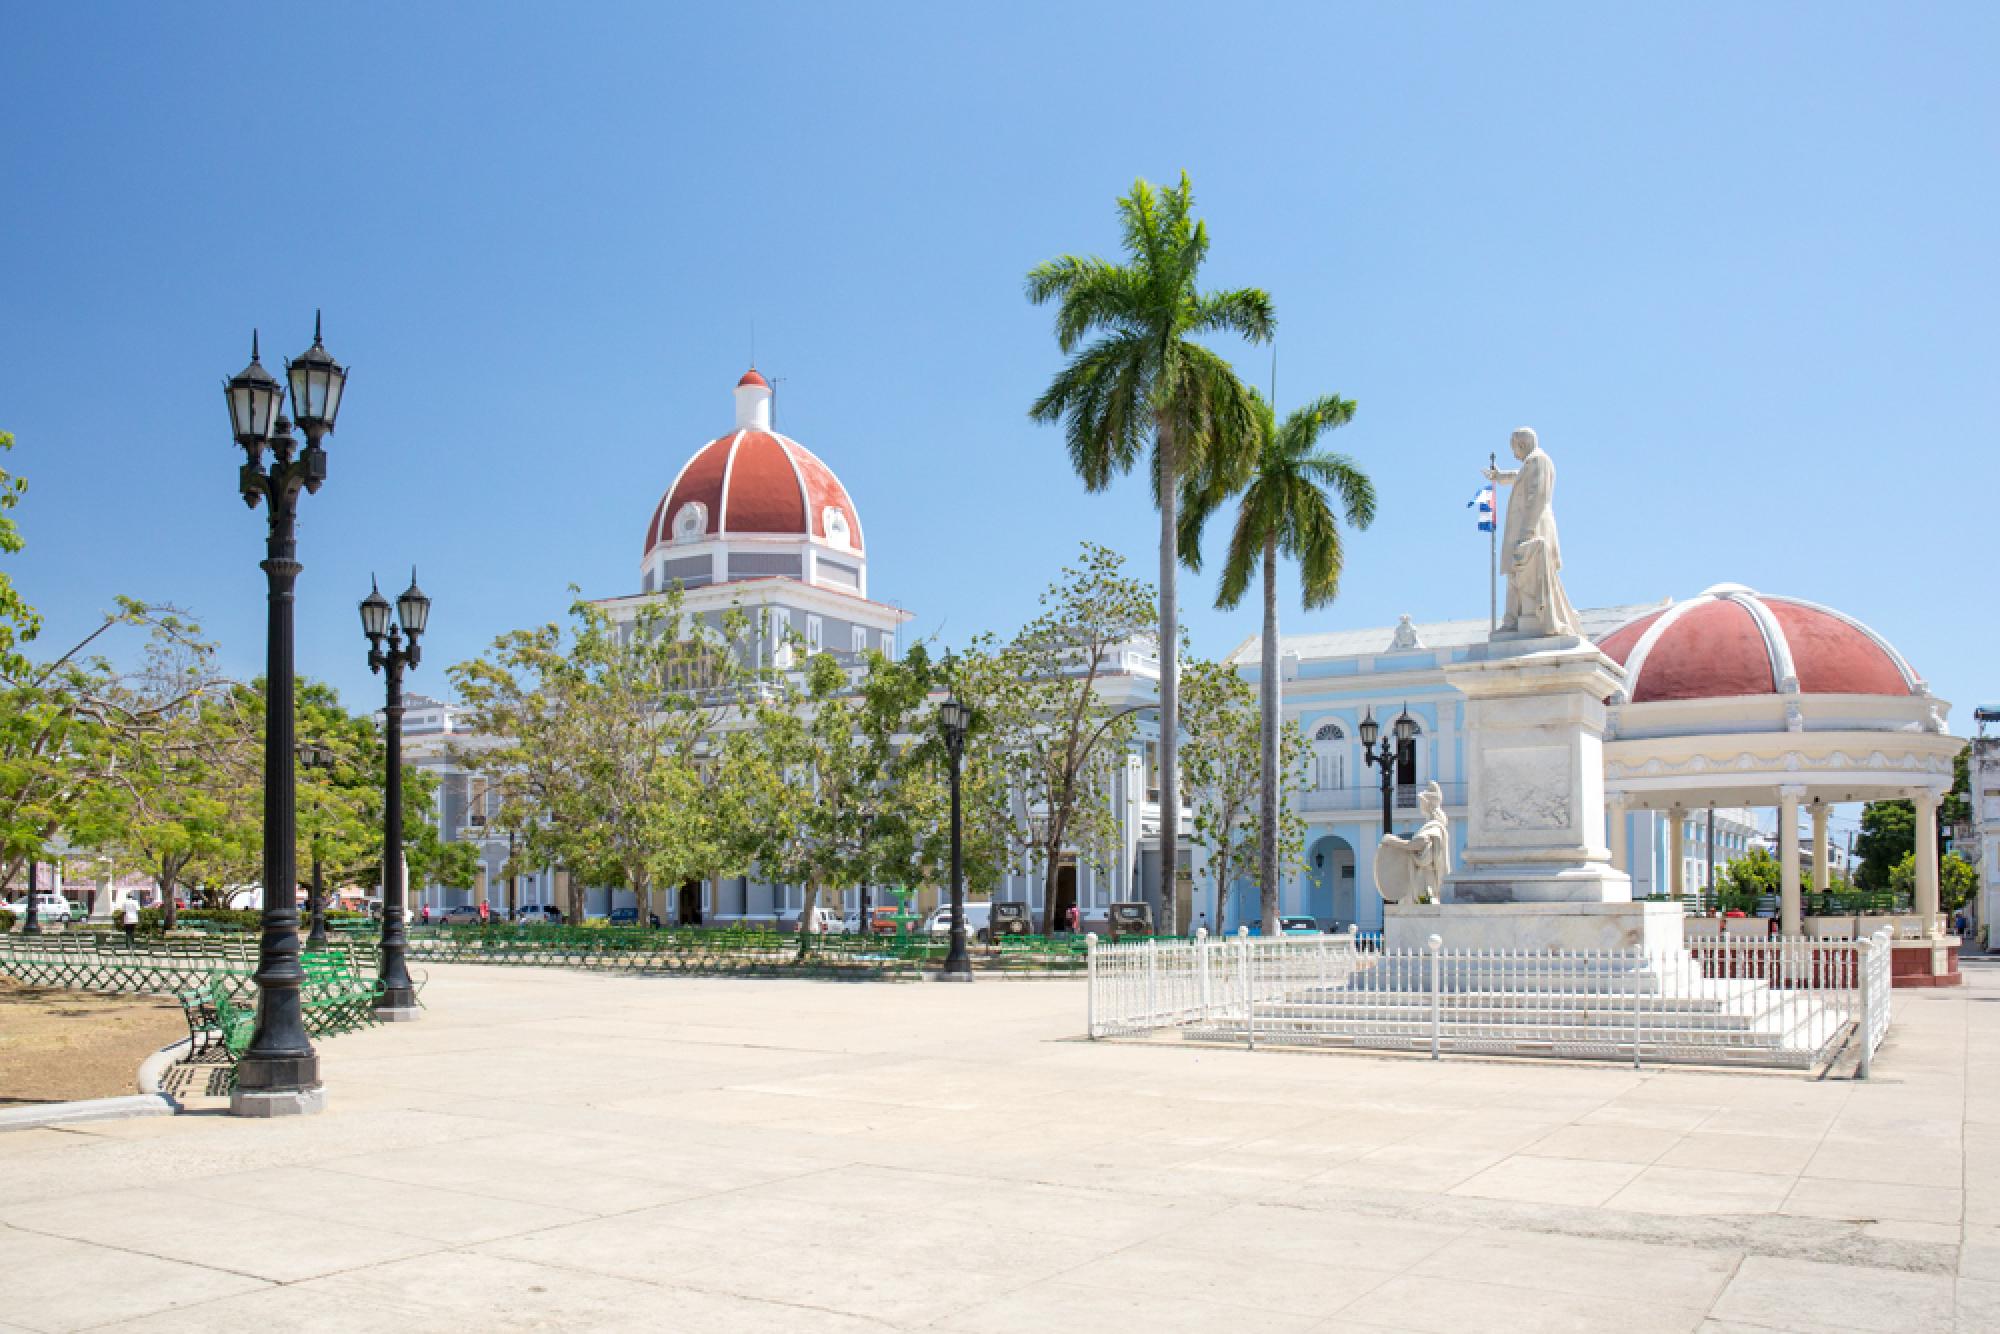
1412, 870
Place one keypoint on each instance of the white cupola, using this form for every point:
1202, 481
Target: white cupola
753, 402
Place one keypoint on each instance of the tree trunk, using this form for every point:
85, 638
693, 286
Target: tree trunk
1050, 871
168, 913
1170, 701
1267, 793
806, 915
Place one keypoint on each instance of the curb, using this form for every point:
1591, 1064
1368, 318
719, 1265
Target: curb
149, 1101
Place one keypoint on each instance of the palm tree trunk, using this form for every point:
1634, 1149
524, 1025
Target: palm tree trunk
1170, 701
1267, 793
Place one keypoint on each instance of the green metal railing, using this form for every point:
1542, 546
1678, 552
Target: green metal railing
730, 951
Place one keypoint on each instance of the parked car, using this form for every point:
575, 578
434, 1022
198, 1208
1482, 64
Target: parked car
847, 924
882, 919
978, 922
49, 907
826, 922
624, 917
1297, 926
1012, 919
539, 914
465, 914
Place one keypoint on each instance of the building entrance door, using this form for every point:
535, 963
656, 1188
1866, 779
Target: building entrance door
1065, 896
688, 911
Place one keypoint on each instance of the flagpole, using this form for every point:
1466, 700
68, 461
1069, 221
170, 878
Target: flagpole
1493, 565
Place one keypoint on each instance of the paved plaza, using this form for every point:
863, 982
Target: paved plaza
550, 1150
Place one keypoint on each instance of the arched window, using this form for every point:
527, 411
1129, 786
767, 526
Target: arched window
1329, 746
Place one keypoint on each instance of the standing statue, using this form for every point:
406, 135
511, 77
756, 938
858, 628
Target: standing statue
1537, 607
1412, 870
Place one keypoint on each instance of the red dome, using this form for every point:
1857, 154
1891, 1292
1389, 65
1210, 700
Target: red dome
756, 482
752, 377
1731, 641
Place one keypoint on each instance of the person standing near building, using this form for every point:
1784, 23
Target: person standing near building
128, 917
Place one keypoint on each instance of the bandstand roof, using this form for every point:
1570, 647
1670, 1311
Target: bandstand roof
1736, 698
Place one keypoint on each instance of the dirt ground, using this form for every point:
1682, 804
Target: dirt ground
56, 1045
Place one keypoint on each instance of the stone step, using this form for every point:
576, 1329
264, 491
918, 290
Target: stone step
1773, 1023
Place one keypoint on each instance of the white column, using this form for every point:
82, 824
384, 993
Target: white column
1677, 853
1822, 873
1621, 849
1790, 917
1927, 860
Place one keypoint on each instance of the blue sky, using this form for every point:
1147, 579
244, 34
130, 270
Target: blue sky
1736, 264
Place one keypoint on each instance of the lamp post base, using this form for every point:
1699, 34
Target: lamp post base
395, 1014
278, 1102
965, 976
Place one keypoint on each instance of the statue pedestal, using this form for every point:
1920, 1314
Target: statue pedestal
1535, 759
1535, 874
1532, 928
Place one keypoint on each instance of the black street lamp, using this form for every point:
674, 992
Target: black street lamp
279, 1072
33, 925
318, 757
1385, 757
954, 719
395, 998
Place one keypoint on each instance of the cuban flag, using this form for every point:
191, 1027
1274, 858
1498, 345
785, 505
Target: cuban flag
1483, 502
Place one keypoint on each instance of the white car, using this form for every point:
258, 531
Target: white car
978, 922
49, 907
827, 922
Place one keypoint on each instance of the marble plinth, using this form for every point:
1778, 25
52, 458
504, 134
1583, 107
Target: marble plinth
1535, 760
1658, 927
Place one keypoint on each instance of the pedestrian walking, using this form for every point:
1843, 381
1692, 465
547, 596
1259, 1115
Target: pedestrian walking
128, 917
1200, 924
1075, 918
485, 912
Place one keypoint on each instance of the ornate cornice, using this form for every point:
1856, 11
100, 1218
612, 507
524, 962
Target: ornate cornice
1791, 761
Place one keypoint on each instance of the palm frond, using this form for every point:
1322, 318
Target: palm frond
1246, 553
1098, 399
1245, 311
1344, 476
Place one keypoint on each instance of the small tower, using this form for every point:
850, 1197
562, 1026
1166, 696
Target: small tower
753, 402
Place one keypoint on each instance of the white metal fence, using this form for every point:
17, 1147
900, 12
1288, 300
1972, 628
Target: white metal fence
1782, 1002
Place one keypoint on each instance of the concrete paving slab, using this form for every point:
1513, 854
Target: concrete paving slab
548, 1149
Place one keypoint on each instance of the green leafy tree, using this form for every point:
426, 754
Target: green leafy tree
184, 796
1889, 828
1226, 781
1055, 730
340, 805
19, 622
1958, 881
607, 745
1888, 834
1750, 876
832, 758
1137, 374
1283, 480
68, 724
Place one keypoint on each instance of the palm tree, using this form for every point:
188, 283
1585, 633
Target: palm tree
1140, 375
1284, 508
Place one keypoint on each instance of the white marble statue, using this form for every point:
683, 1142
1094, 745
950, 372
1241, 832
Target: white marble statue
1412, 870
1530, 556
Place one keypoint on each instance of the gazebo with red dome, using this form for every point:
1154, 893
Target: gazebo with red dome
1735, 698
